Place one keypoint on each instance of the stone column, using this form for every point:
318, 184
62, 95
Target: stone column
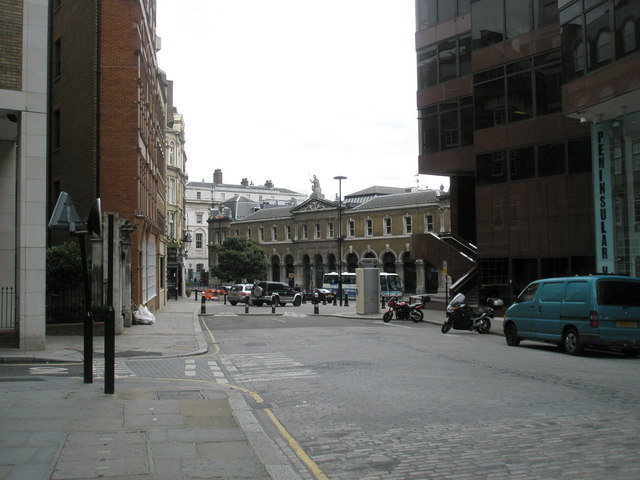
125, 272
421, 280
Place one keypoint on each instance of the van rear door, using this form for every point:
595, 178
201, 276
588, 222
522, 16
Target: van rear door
618, 309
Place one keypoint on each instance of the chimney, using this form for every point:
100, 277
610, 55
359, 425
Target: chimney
245, 182
269, 184
217, 177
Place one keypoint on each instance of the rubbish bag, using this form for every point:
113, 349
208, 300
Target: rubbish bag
144, 316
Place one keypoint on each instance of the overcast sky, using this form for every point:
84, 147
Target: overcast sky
283, 90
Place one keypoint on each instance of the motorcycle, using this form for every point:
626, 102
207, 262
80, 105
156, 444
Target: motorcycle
461, 316
403, 310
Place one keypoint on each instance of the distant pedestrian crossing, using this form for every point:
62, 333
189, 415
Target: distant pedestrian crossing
264, 367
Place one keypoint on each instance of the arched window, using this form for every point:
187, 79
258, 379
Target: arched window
629, 36
603, 46
172, 153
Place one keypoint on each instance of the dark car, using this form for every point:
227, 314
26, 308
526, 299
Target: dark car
323, 295
267, 292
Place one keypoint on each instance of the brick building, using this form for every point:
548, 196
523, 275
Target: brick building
108, 110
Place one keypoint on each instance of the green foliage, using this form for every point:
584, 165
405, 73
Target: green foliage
64, 266
241, 258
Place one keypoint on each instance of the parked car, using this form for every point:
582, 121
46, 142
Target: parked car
264, 292
601, 311
239, 293
323, 294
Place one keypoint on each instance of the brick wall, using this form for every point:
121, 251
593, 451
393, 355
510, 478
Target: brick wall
11, 45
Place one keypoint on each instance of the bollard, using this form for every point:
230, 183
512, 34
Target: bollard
203, 306
273, 303
382, 302
335, 301
246, 305
225, 298
324, 300
346, 299
316, 308
196, 290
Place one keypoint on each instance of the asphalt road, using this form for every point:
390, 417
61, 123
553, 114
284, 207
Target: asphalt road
368, 400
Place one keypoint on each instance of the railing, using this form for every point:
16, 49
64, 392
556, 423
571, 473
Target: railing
7, 308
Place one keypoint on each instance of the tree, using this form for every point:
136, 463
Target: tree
64, 267
240, 258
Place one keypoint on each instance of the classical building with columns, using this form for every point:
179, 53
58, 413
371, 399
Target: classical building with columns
301, 242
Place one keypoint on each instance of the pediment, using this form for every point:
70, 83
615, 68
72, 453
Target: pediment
313, 204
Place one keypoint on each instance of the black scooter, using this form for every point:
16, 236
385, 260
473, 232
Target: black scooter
461, 316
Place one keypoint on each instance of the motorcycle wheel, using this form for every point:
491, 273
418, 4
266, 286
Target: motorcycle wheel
484, 327
446, 326
387, 316
416, 315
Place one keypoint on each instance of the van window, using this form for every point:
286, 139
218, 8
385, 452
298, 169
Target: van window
552, 292
529, 293
576, 292
616, 292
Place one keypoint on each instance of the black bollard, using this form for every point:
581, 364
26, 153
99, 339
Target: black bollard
346, 299
203, 306
246, 305
316, 308
335, 300
196, 290
273, 304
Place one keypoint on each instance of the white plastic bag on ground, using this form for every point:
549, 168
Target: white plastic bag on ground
144, 316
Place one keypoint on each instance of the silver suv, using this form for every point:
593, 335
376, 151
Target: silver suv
239, 293
266, 292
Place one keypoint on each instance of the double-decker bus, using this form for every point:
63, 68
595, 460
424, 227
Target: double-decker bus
390, 284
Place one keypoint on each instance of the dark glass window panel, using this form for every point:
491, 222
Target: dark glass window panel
427, 67
551, 160
627, 18
488, 75
579, 155
464, 55
464, 7
562, 3
430, 134
522, 163
573, 50
427, 14
520, 97
590, 3
446, 10
487, 23
466, 125
548, 89
598, 37
447, 60
519, 66
570, 12
548, 57
491, 168
489, 102
518, 17
545, 13
449, 128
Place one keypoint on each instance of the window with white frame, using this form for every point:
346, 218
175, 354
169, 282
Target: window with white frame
199, 217
274, 233
317, 231
428, 223
387, 225
351, 228
171, 191
172, 153
330, 230
261, 234
287, 232
249, 232
199, 238
305, 232
368, 227
407, 224
198, 195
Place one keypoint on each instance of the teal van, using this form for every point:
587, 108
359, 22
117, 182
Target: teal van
600, 311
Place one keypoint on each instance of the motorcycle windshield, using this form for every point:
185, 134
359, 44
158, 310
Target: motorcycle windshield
457, 300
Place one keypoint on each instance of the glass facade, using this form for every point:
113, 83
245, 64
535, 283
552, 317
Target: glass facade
616, 164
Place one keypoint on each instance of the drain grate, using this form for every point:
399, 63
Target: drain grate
179, 394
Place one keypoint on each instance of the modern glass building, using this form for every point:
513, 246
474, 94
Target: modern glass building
529, 107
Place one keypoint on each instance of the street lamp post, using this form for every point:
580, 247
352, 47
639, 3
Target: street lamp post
340, 178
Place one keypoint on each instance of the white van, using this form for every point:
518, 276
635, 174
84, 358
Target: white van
577, 312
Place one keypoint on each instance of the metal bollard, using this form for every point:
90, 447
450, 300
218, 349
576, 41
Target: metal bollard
346, 299
273, 304
203, 305
316, 307
225, 298
196, 290
335, 301
246, 305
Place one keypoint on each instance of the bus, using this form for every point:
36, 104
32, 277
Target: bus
390, 284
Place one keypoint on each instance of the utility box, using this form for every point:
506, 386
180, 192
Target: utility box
368, 288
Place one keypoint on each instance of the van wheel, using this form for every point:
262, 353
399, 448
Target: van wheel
511, 335
297, 301
571, 342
